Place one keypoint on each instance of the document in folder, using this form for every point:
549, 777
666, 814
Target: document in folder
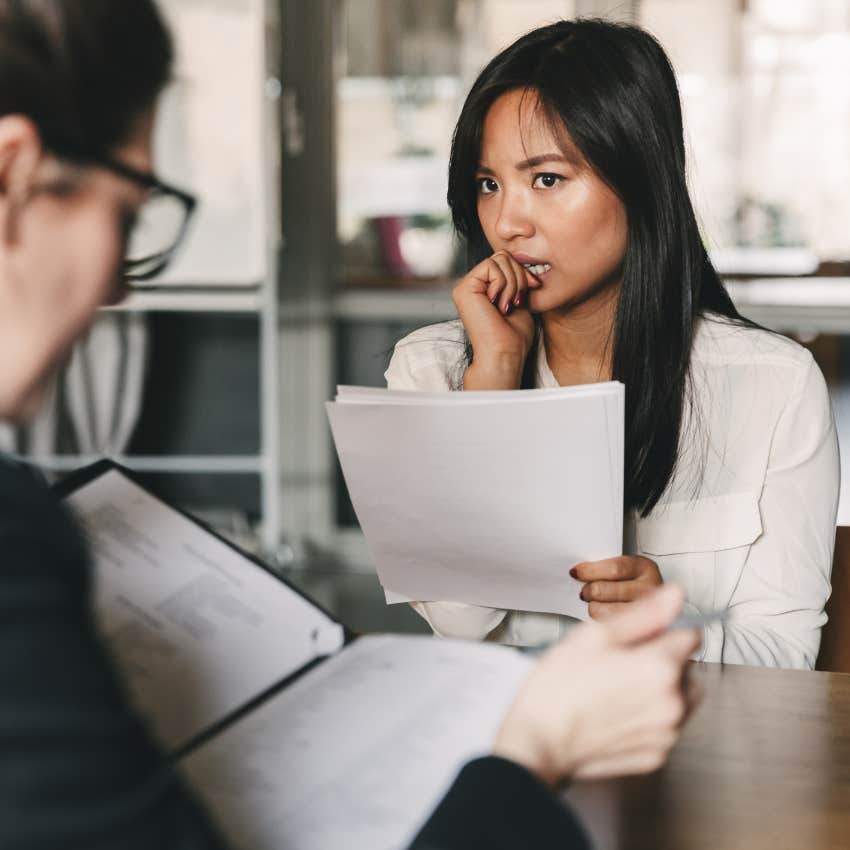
294, 734
197, 628
485, 497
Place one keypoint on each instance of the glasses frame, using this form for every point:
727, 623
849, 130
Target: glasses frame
153, 184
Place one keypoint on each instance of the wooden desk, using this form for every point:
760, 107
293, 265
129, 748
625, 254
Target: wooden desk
763, 765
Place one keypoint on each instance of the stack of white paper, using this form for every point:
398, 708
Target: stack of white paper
486, 497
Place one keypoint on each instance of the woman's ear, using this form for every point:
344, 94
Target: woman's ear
20, 156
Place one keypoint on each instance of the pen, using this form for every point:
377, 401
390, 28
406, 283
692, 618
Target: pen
697, 621
683, 621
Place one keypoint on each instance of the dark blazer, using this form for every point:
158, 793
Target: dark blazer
79, 770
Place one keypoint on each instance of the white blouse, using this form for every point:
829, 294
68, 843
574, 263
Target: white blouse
747, 524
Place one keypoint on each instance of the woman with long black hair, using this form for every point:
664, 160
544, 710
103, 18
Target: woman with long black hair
567, 181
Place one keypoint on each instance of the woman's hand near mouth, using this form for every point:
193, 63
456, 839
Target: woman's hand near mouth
492, 303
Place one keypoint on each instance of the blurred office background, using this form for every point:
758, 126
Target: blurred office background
317, 134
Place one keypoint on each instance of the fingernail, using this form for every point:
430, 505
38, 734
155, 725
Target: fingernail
517, 300
574, 572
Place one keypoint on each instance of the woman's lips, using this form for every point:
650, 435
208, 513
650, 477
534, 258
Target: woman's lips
535, 265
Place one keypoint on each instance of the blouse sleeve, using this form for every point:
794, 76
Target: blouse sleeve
777, 610
423, 361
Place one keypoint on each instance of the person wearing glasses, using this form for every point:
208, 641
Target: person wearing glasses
81, 213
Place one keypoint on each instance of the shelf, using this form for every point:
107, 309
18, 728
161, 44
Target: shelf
367, 305
826, 292
192, 464
185, 300
795, 305
808, 305
761, 262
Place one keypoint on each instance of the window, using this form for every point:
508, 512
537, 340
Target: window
767, 114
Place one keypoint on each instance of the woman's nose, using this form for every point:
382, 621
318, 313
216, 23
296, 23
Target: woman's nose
513, 219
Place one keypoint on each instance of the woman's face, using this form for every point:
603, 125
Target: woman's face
63, 234
550, 211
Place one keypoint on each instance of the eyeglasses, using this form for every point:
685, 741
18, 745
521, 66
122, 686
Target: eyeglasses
161, 223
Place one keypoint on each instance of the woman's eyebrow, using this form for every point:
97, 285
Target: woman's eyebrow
526, 164
534, 161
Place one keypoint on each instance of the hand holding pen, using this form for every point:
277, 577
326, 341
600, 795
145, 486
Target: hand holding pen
610, 698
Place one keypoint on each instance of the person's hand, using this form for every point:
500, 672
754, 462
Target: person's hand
607, 701
610, 583
492, 304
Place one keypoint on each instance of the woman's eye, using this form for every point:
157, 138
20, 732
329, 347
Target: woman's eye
547, 181
487, 185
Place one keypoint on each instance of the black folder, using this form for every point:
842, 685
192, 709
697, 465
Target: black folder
295, 734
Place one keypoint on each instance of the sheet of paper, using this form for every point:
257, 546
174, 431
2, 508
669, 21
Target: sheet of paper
372, 395
485, 498
197, 629
356, 754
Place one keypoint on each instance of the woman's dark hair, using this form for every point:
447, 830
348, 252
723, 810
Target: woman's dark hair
84, 71
612, 88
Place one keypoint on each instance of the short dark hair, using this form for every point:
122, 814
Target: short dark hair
612, 88
84, 71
